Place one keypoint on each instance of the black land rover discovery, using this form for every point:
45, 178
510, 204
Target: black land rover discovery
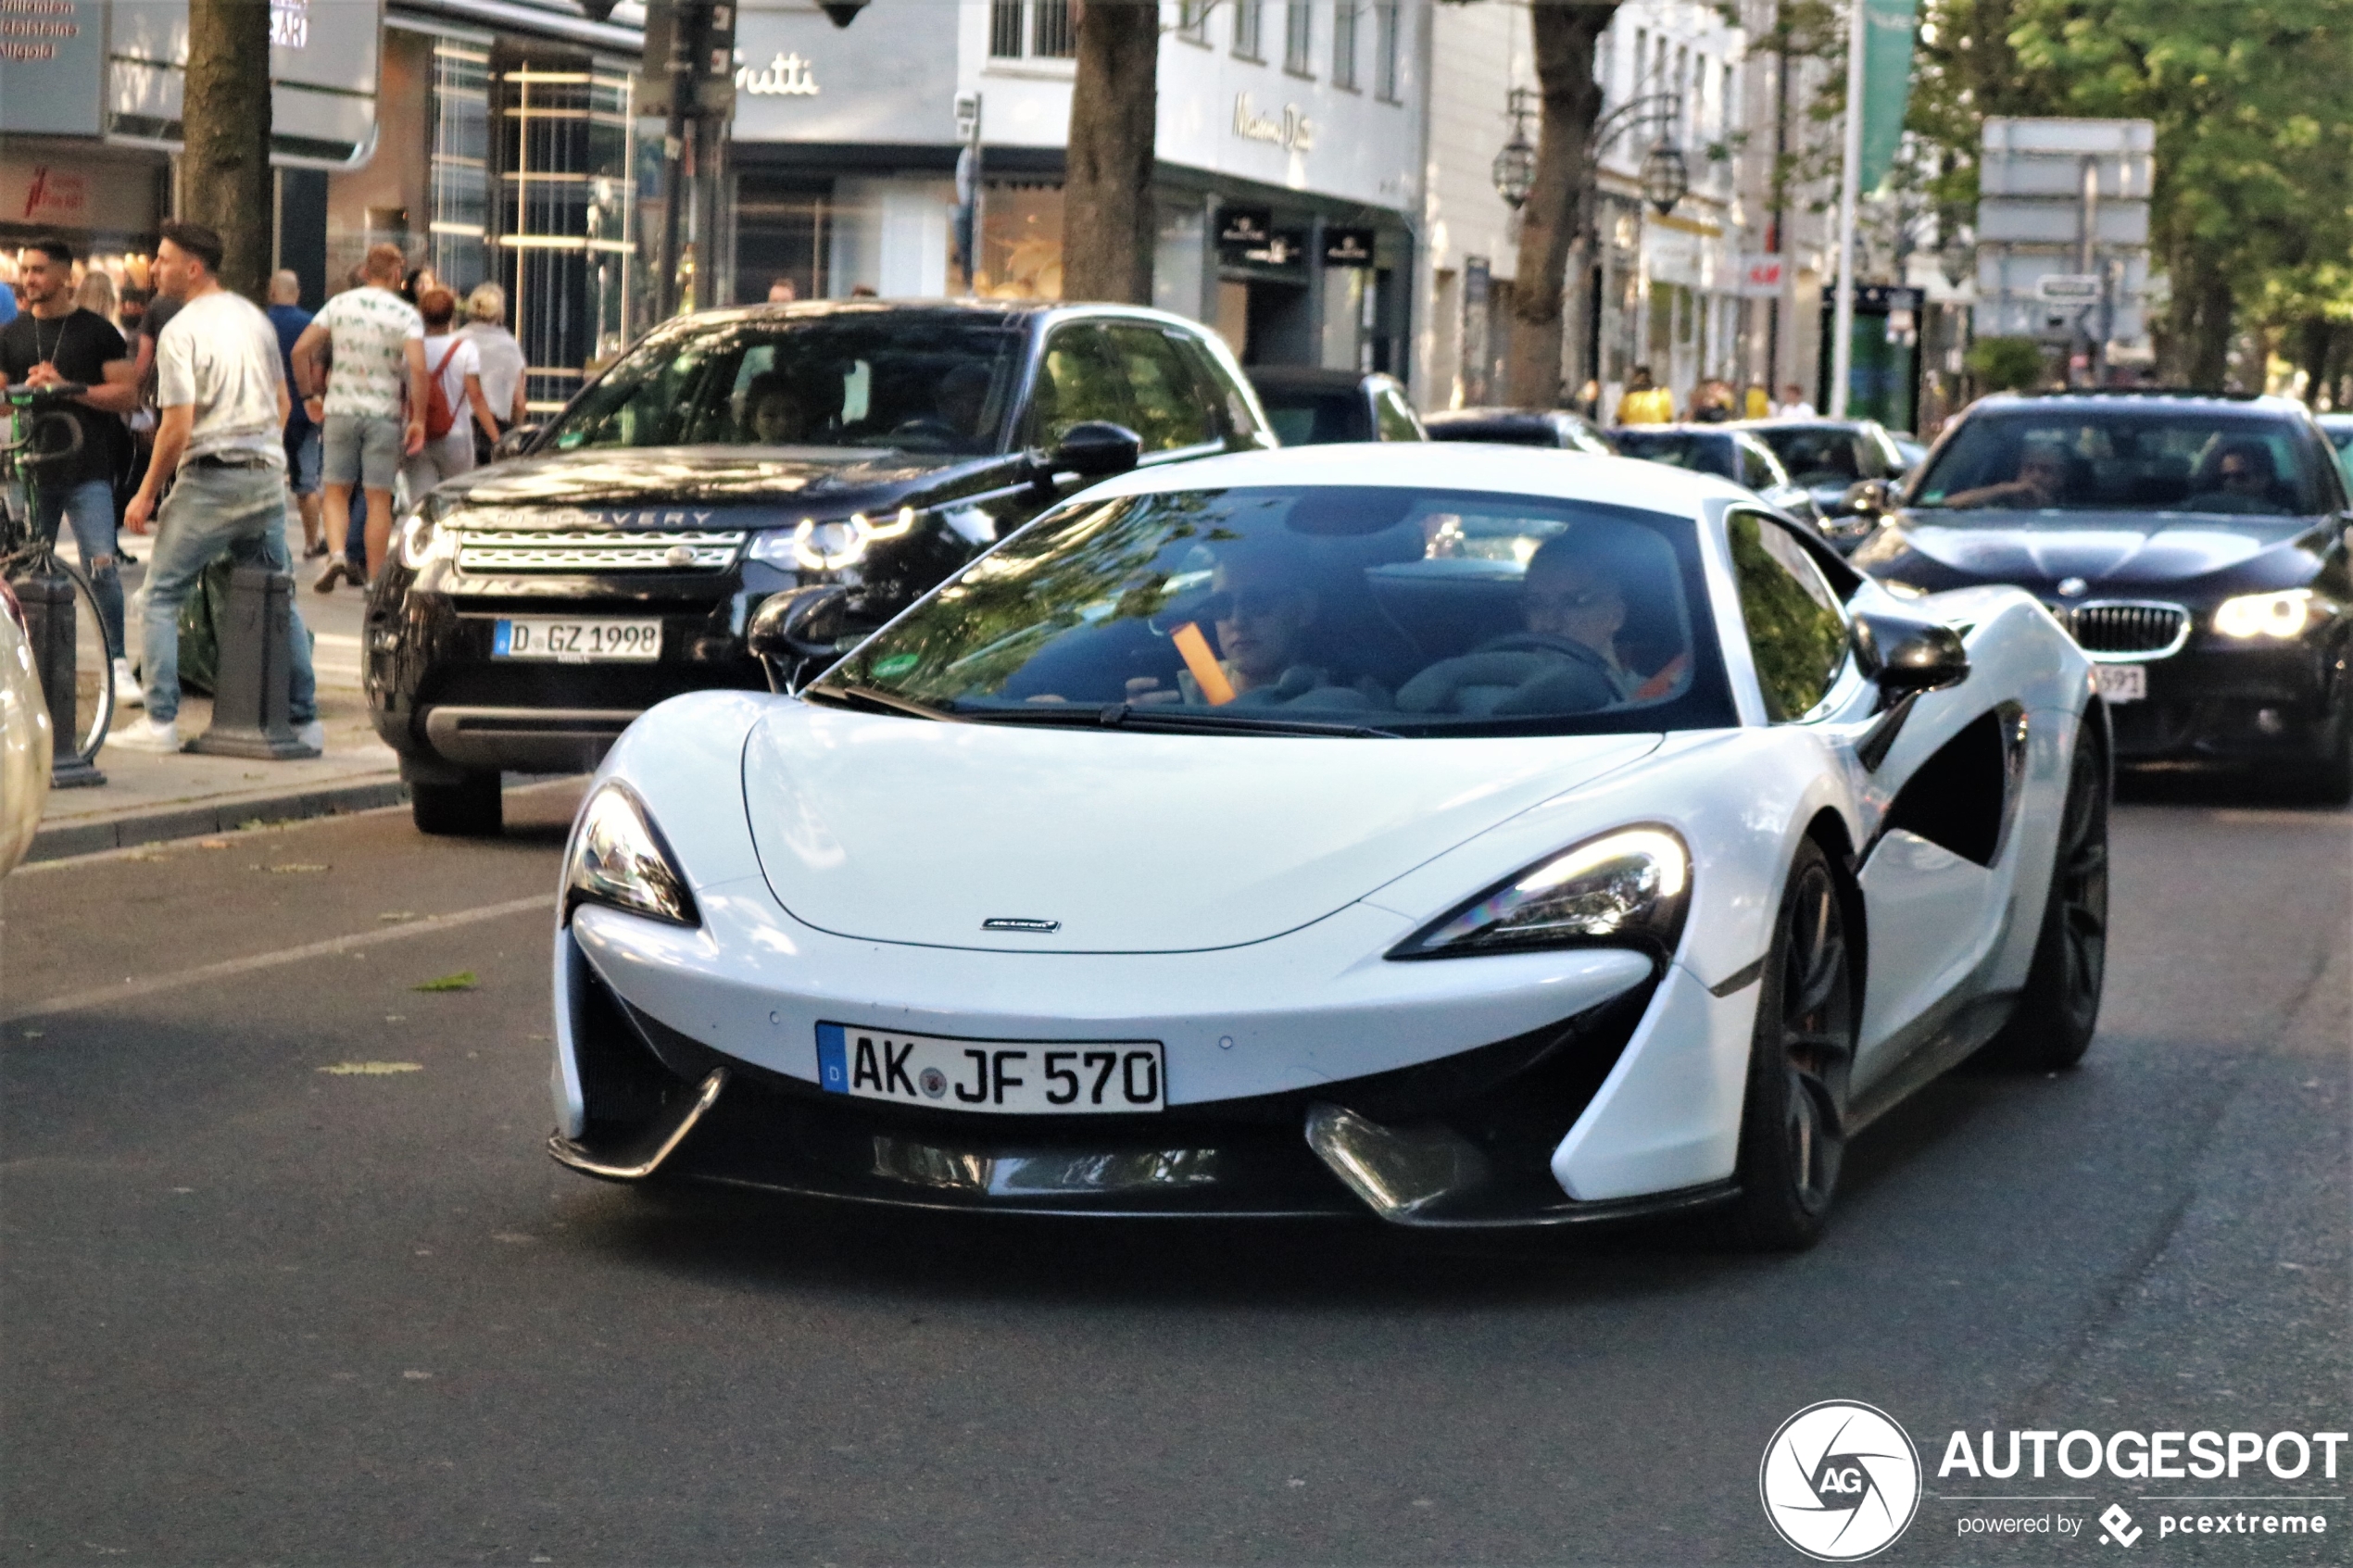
534, 608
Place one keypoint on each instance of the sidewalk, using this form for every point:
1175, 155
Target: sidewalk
148, 797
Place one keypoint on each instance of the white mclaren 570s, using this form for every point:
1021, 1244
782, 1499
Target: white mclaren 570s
1464, 836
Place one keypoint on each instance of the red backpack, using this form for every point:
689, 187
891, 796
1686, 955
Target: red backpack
439, 416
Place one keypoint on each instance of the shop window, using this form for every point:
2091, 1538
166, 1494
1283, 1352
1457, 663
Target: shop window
1020, 241
566, 219
1385, 26
1248, 15
1299, 36
458, 226
1169, 412
1344, 14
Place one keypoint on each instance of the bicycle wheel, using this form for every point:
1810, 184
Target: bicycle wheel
77, 735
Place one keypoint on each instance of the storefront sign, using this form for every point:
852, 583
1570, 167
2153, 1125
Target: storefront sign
53, 56
1348, 247
1292, 131
76, 195
1761, 277
289, 24
787, 76
1240, 228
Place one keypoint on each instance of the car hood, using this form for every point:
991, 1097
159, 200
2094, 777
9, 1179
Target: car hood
2112, 548
902, 830
556, 487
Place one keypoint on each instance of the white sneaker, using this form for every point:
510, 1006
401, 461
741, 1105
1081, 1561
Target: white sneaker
148, 736
126, 686
313, 735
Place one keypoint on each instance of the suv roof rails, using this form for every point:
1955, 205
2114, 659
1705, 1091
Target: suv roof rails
2205, 392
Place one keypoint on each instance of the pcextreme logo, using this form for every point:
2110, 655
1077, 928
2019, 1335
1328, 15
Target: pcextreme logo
1840, 1481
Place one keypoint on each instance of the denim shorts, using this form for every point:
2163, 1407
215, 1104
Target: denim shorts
362, 449
303, 443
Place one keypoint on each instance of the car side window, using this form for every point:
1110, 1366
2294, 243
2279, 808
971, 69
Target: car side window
1756, 470
1218, 391
1078, 379
1392, 420
1167, 414
1796, 630
1870, 461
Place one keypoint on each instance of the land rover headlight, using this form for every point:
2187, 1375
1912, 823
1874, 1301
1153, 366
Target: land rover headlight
423, 539
617, 856
2284, 614
812, 545
1624, 889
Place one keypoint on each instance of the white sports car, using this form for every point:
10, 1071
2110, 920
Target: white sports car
1464, 836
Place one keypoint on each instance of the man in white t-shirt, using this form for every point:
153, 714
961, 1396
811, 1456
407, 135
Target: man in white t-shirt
453, 368
221, 434
371, 410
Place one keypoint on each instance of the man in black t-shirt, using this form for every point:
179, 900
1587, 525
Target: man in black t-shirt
55, 340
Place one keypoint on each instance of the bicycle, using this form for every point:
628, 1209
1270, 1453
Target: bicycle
35, 443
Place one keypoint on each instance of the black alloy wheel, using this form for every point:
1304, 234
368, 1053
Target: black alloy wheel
2060, 1005
1793, 1126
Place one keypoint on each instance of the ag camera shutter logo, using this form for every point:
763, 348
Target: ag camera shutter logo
1840, 1481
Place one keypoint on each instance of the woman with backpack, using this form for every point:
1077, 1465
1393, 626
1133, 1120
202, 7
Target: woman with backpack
454, 403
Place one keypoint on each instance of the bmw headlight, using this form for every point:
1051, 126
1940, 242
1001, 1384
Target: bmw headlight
1626, 889
422, 539
812, 545
618, 856
2284, 614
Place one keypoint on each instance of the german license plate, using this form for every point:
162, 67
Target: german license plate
2121, 682
570, 641
1014, 1077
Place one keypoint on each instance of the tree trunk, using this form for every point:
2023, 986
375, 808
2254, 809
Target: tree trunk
224, 171
1108, 222
1553, 216
2209, 347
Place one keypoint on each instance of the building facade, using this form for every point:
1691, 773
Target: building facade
1289, 132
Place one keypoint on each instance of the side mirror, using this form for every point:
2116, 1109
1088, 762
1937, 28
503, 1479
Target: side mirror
1866, 497
1907, 657
797, 625
1092, 448
514, 443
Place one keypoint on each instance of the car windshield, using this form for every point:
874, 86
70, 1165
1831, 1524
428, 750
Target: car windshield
1306, 417
2170, 461
1815, 457
1683, 450
931, 382
1393, 613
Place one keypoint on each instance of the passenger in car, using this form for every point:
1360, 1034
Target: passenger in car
2044, 472
2240, 478
1263, 607
773, 412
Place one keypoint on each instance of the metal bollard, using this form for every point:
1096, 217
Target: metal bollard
49, 616
251, 694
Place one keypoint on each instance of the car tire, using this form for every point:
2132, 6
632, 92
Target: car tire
2057, 1009
470, 809
1794, 1120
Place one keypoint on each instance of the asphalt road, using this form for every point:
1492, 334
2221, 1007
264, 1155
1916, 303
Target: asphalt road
289, 1279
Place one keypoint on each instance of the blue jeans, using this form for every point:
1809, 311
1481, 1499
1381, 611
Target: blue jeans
89, 505
212, 510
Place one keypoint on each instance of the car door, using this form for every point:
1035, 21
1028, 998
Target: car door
1947, 785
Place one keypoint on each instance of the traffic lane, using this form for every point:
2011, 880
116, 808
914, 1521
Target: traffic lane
77, 924
711, 1378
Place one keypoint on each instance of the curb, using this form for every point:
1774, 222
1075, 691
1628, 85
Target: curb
188, 819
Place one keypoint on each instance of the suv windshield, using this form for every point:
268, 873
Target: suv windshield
1818, 458
1394, 611
916, 382
2130, 459
1682, 449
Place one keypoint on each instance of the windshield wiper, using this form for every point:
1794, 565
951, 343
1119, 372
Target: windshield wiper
1120, 715
882, 701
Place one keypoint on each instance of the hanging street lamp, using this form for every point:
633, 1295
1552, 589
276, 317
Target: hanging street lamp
1515, 168
1666, 181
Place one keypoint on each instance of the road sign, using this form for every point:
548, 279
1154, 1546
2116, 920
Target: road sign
2068, 288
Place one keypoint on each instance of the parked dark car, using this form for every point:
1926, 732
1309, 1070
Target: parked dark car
534, 608
1520, 427
2196, 546
1316, 408
1848, 466
1731, 454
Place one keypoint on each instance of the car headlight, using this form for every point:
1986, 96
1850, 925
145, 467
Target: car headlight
811, 545
423, 540
2284, 614
1625, 889
618, 856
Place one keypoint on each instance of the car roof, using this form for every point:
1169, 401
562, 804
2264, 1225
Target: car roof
2151, 400
1415, 465
1495, 416
999, 313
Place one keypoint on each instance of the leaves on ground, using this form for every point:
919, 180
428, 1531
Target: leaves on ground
295, 866
372, 1068
461, 981
398, 914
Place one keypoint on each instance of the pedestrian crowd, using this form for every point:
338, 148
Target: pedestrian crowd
202, 414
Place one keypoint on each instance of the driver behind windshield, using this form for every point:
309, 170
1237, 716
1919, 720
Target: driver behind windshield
2240, 479
2041, 482
773, 411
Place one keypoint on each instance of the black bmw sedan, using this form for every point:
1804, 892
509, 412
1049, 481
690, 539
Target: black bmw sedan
534, 608
2196, 546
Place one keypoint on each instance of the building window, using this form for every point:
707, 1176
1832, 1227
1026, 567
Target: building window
1192, 20
1385, 23
1004, 29
565, 231
1344, 44
1247, 15
1056, 35
458, 228
1299, 37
